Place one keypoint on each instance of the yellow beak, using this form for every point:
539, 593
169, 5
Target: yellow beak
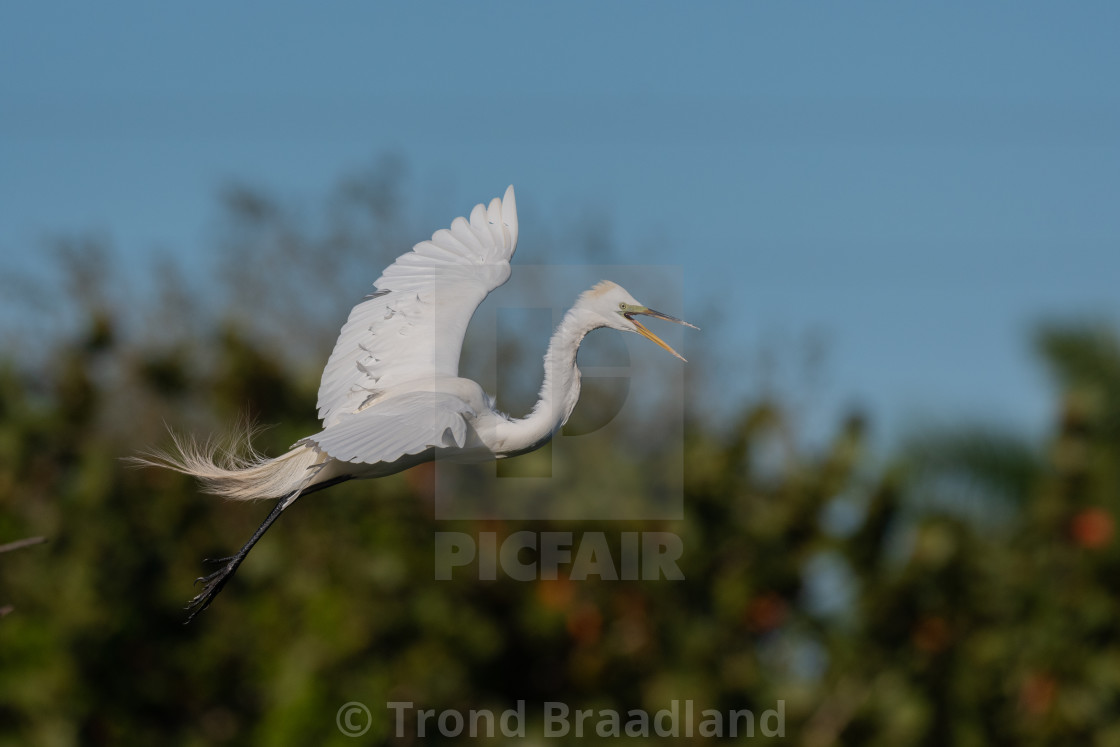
629, 314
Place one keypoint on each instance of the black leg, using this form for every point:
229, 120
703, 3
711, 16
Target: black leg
215, 581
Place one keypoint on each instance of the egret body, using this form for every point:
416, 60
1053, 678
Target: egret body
391, 396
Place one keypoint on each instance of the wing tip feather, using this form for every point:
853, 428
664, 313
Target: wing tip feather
509, 216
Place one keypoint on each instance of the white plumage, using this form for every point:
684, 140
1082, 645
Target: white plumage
413, 324
405, 424
391, 396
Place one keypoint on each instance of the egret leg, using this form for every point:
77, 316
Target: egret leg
213, 583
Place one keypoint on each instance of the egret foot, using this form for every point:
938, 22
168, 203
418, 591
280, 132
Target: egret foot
218, 579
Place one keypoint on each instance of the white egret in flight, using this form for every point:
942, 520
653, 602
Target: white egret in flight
391, 396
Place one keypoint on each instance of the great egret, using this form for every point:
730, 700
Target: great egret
391, 396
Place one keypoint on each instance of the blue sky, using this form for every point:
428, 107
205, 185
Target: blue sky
919, 184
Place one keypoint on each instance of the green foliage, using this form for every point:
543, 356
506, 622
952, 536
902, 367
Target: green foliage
815, 578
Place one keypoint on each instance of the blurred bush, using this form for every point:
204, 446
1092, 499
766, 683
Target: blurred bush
966, 590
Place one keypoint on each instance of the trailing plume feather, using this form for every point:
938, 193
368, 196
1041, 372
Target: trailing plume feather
232, 468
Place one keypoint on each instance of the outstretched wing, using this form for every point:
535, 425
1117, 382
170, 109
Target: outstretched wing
412, 326
405, 424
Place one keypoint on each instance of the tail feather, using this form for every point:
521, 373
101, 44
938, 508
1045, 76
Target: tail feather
233, 469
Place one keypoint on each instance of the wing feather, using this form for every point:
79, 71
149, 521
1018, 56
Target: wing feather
406, 424
413, 325
461, 230
498, 233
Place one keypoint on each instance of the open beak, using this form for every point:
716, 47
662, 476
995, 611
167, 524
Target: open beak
649, 335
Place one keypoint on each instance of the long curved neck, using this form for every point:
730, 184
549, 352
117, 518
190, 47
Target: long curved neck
560, 391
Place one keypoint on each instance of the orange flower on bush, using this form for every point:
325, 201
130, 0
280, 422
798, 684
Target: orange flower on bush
765, 612
1092, 528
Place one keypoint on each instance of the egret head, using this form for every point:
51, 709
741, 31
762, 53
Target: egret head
618, 310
